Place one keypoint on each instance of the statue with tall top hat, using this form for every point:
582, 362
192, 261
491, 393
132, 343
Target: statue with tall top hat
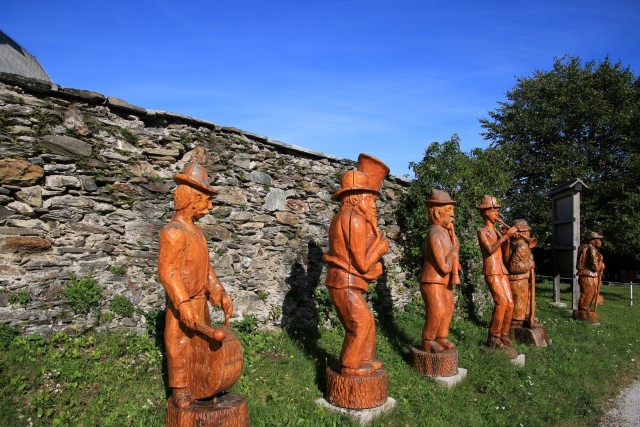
353, 262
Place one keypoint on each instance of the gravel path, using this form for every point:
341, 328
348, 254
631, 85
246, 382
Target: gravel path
626, 409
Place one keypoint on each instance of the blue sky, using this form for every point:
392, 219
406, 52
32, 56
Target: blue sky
337, 76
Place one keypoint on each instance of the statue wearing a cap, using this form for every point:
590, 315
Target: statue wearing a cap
495, 273
590, 266
188, 278
353, 262
439, 272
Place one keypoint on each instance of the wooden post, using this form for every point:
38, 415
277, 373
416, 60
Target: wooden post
576, 292
556, 288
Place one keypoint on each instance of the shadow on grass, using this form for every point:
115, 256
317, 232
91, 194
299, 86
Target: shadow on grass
383, 306
608, 294
155, 328
300, 316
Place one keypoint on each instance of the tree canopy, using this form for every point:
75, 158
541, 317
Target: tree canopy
578, 120
467, 177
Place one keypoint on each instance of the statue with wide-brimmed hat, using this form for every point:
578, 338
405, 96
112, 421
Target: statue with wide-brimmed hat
202, 361
353, 262
590, 268
437, 356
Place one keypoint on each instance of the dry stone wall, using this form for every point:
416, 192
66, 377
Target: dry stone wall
86, 185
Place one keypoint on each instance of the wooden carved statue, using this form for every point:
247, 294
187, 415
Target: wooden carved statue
203, 362
496, 275
520, 263
353, 262
590, 266
522, 277
440, 272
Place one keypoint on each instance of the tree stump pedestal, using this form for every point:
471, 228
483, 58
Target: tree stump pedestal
443, 364
536, 336
586, 315
226, 410
356, 392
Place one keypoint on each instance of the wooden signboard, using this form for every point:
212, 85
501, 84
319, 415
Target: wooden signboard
566, 233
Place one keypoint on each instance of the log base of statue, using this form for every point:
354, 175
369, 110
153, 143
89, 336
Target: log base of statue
226, 410
443, 364
586, 316
536, 336
356, 392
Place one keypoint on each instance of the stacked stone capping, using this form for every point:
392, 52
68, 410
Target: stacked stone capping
86, 186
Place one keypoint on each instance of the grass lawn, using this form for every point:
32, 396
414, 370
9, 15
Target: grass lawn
117, 380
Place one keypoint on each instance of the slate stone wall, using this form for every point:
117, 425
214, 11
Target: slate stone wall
86, 185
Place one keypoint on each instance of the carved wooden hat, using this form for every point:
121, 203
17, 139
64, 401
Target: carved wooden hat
195, 176
488, 202
593, 236
368, 176
439, 197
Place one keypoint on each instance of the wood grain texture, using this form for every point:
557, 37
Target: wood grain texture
227, 410
443, 364
356, 392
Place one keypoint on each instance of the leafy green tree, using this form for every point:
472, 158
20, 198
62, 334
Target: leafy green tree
575, 121
467, 177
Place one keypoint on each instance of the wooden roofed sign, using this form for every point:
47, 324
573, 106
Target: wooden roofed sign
565, 201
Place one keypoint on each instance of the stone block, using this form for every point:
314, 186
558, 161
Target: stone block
519, 360
19, 172
363, 417
453, 380
66, 145
275, 200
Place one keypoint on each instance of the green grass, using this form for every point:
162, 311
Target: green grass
116, 380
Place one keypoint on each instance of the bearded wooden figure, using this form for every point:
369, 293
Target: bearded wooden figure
522, 277
353, 262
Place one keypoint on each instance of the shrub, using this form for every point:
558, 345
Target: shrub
7, 334
117, 270
247, 325
129, 136
19, 297
122, 306
83, 294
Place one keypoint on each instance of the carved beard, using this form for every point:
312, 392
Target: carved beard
371, 216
